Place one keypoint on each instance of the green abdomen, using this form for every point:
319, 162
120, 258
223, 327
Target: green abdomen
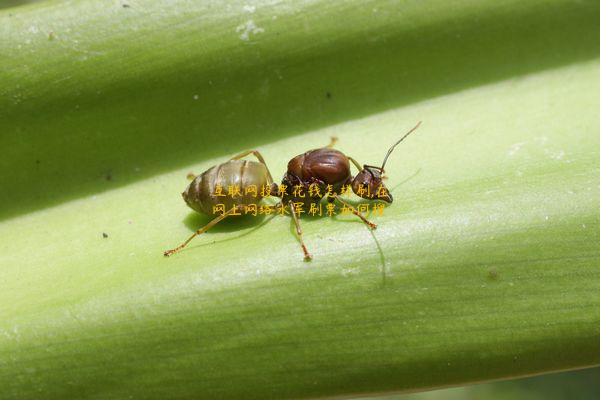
229, 184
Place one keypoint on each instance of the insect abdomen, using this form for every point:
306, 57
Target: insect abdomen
201, 195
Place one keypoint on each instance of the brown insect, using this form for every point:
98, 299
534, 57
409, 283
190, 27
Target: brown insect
324, 169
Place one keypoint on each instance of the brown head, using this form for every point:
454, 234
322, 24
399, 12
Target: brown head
368, 183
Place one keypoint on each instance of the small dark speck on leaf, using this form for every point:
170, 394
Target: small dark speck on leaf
37, 162
104, 235
108, 176
328, 94
126, 6
493, 274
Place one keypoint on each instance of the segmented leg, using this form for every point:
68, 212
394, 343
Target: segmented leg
260, 158
356, 164
201, 231
333, 141
354, 211
307, 256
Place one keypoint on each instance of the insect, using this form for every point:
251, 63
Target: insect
323, 172
201, 193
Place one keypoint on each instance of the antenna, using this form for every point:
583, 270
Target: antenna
395, 144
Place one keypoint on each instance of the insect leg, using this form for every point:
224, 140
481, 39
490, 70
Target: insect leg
356, 164
260, 158
200, 231
307, 256
354, 211
333, 141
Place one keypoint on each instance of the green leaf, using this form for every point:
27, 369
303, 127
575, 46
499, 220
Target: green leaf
581, 384
484, 267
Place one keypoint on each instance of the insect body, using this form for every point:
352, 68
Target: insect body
320, 167
202, 193
323, 172
327, 170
